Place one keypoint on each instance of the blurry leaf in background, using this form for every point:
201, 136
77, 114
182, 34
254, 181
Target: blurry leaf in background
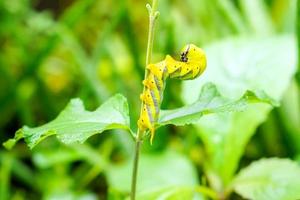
49, 158
290, 117
73, 167
211, 102
75, 124
72, 196
284, 15
260, 22
236, 65
171, 193
156, 171
5, 174
57, 72
274, 178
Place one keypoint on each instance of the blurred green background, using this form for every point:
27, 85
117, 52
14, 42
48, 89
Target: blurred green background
55, 50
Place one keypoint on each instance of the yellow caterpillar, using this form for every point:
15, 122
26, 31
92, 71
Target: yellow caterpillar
192, 63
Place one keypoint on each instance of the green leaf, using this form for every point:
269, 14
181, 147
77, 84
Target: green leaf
85, 195
156, 171
274, 178
236, 65
170, 193
178, 193
74, 124
46, 158
260, 22
210, 101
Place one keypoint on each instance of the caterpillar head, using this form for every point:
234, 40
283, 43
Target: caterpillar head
195, 57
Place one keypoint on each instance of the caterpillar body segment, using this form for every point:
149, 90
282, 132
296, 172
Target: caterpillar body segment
172, 65
146, 97
159, 70
192, 63
144, 122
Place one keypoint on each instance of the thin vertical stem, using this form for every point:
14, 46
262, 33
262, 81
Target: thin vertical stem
298, 45
153, 14
135, 168
298, 39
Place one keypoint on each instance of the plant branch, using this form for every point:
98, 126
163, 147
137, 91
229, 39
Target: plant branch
153, 15
298, 42
135, 168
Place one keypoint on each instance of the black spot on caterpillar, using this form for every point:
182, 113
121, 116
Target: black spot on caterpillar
192, 63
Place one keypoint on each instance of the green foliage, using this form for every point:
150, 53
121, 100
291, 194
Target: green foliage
158, 175
53, 51
273, 178
237, 65
210, 101
170, 193
75, 124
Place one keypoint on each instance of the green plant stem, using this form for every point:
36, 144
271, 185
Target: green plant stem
298, 39
153, 14
207, 192
135, 168
298, 45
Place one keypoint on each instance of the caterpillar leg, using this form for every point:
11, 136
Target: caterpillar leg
149, 82
146, 97
146, 120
